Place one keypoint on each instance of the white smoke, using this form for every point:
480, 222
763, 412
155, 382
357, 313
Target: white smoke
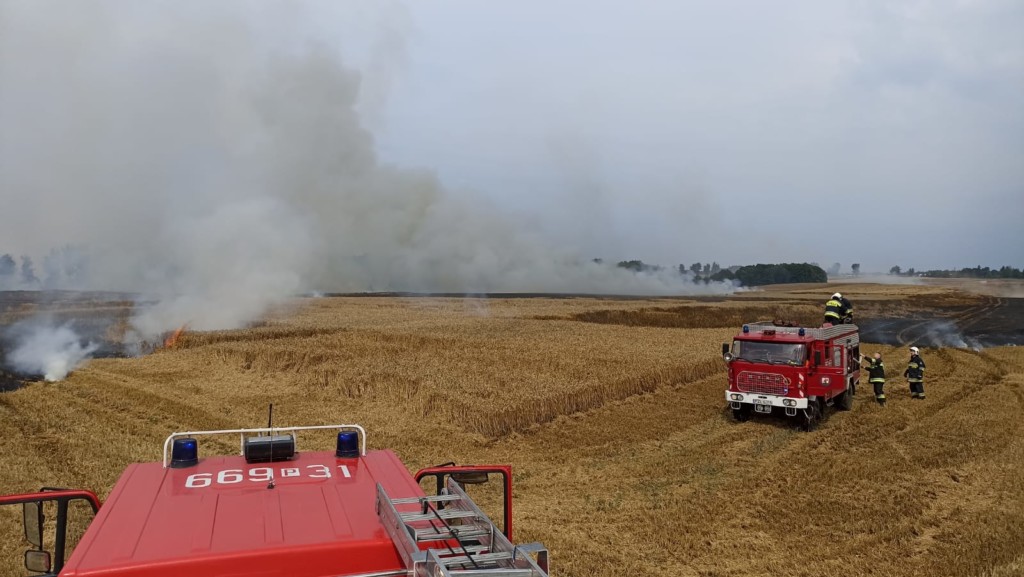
946, 333
210, 156
48, 350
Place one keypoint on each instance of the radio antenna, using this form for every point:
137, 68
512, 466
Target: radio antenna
270, 425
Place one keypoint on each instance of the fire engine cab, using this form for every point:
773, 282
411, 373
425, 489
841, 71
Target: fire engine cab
778, 368
275, 511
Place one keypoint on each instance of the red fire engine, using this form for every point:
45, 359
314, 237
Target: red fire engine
274, 511
799, 371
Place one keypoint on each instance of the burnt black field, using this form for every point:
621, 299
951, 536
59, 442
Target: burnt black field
89, 314
1001, 324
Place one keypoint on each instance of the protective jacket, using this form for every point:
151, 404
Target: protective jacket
835, 311
876, 371
915, 369
847, 308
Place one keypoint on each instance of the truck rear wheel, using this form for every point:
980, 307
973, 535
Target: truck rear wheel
844, 402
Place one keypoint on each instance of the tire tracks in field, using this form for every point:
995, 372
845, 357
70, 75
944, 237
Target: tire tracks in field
133, 404
524, 415
140, 417
971, 316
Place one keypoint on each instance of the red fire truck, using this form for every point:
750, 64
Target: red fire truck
275, 511
777, 368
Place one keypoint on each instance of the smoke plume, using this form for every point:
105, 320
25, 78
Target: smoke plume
211, 157
47, 350
946, 333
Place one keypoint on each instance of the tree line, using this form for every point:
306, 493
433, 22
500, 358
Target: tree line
976, 272
762, 274
751, 275
61, 268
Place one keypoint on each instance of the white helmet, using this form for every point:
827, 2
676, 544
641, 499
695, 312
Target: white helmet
915, 350
837, 296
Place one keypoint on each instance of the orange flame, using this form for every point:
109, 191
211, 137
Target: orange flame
172, 340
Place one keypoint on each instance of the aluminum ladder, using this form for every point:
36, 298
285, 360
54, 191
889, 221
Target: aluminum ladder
447, 535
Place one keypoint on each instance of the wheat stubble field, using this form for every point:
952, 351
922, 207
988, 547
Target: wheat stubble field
611, 412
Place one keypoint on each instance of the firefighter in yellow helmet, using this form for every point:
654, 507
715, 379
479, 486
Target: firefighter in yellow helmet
915, 373
837, 309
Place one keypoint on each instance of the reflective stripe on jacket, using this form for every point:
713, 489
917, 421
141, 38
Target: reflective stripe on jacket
915, 369
876, 371
834, 308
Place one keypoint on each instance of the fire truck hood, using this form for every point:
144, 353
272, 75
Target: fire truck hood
219, 518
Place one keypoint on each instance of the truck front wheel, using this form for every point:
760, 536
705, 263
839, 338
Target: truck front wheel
742, 414
812, 414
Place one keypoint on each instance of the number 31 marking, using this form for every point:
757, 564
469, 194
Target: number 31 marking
259, 475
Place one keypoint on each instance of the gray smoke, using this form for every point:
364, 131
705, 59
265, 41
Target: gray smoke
946, 333
46, 349
211, 157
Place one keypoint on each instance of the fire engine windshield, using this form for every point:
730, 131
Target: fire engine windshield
773, 353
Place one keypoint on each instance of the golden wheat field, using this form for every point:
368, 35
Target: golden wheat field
611, 412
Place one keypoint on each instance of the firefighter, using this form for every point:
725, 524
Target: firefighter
847, 309
915, 373
876, 375
835, 310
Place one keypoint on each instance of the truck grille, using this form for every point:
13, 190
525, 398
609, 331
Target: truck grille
764, 383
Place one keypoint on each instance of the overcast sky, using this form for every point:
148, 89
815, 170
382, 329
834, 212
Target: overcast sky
482, 145
741, 131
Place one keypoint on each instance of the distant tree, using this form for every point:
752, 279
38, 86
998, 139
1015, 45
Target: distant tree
762, 274
910, 271
695, 268
834, 269
894, 270
598, 261
66, 267
715, 268
723, 275
638, 266
1009, 272
633, 265
855, 267
707, 269
683, 270
7, 268
28, 272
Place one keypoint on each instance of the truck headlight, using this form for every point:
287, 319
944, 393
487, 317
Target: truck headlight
736, 397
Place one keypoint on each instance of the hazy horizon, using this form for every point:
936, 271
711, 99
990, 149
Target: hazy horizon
223, 155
